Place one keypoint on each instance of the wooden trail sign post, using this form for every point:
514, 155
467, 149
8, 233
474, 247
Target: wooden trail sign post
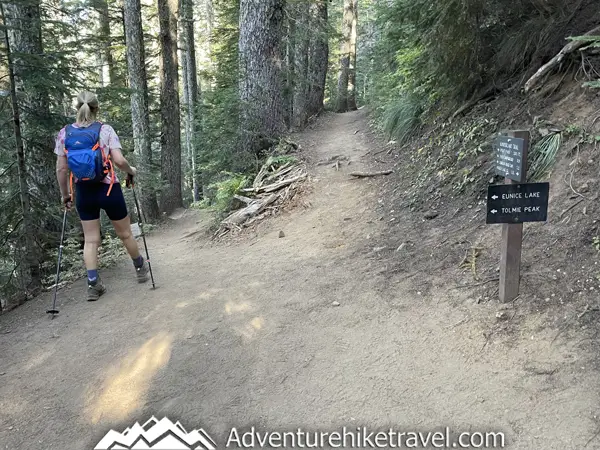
512, 233
513, 203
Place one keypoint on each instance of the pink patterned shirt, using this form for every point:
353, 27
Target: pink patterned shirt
108, 141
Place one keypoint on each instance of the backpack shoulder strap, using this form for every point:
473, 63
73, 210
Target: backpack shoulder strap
96, 127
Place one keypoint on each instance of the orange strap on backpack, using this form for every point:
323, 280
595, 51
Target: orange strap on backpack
109, 170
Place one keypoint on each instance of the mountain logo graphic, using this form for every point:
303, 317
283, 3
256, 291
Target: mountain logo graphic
158, 435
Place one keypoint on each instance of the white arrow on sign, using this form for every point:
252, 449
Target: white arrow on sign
493, 211
494, 197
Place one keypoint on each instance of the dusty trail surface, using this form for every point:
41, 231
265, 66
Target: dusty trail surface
247, 333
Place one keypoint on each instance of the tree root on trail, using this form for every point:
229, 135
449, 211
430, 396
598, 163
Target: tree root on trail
371, 174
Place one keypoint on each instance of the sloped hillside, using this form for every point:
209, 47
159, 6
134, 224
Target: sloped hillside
440, 183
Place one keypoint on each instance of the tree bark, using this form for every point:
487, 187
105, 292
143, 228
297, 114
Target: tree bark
105, 37
345, 52
290, 69
319, 57
352, 69
171, 195
25, 36
301, 65
31, 261
139, 105
261, 80
191, 90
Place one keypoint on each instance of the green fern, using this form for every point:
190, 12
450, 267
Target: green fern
226, 189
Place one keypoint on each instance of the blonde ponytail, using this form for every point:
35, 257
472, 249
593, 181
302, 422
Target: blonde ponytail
87, 108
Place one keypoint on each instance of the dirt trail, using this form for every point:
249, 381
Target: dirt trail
247, 334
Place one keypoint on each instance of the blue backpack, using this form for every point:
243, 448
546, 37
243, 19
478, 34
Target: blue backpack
85, 158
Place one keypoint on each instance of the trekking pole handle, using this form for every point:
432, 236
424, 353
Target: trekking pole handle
129, 181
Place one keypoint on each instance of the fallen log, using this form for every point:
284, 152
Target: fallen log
371, 174
243, 199
280, 184
256, 207
566, 50
279, 173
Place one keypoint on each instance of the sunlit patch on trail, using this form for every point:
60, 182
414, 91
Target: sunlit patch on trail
250, 330
207, 294
233, 308
126, 384
182, 305
257, 323
11, 407
40, 357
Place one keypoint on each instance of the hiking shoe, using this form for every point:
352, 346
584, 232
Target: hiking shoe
95, 290
142, 273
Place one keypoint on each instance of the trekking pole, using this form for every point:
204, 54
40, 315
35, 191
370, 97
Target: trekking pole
129, 183
55, 311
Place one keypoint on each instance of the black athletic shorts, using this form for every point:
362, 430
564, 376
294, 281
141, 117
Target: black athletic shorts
90, 198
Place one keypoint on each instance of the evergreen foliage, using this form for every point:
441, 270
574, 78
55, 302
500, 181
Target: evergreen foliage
60, 48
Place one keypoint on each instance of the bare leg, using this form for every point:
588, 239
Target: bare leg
123, 230
91, 233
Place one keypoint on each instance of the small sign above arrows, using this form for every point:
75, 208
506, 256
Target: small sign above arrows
510, 158
517, 203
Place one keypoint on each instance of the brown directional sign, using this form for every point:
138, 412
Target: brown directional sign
517, 203
510, 158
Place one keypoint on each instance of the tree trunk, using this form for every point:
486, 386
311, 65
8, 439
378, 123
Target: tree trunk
290, 70
185, 100
319, 57
105, 39
139, 105
261, 81
345, 52
300, 92
171, 196
191, 90
25, 36
210, 23
352, 71
31, 260
100, 65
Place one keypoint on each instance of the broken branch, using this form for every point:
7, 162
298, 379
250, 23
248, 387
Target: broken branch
256, 207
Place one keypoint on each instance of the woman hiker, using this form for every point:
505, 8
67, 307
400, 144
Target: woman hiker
88, 149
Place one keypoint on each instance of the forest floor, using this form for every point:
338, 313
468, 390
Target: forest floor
308, 330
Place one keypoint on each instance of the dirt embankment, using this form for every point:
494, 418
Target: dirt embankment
440, 187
